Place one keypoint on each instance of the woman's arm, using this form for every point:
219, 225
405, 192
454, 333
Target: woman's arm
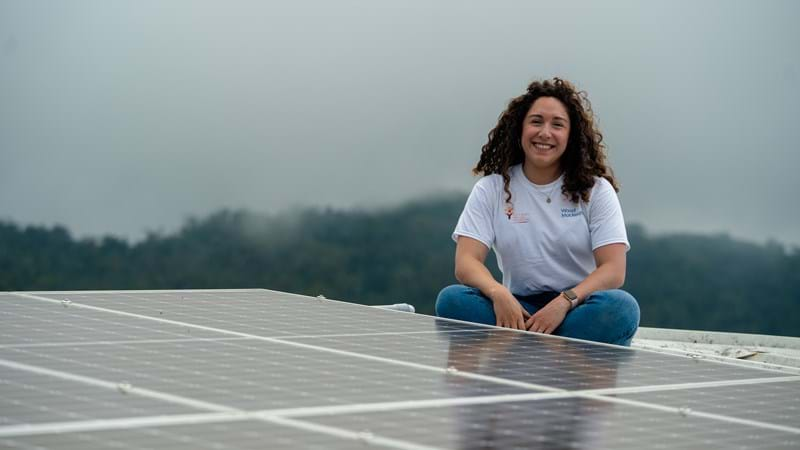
471, 271
609, 274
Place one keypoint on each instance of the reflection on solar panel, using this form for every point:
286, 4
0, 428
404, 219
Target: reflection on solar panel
255, 368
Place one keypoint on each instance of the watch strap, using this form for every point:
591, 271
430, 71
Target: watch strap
572, 297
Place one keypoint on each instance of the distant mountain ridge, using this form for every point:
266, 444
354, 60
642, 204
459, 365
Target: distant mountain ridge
401, 254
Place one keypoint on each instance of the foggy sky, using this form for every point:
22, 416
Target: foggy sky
126, 116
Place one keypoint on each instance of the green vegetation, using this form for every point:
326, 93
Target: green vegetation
396, 255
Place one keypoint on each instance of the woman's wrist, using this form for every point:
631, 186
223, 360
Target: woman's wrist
570, 303
495, 292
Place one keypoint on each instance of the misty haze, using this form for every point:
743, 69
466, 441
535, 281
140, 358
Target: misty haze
119, 118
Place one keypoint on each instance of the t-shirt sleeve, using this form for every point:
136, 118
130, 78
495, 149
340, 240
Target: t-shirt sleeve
476, 220
606, 224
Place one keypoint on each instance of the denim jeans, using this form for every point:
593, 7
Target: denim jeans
605, 316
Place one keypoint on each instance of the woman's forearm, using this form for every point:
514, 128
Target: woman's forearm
608, 275
472, 272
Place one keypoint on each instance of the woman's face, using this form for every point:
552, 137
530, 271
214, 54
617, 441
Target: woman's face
545, 132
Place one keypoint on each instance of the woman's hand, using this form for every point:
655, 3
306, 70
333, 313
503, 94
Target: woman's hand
547, 319
470, 270
509, 312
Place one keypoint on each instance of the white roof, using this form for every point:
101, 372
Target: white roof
777, 352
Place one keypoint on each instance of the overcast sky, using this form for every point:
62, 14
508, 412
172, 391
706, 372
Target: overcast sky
126, 116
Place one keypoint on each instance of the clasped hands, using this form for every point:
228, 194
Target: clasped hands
511, 314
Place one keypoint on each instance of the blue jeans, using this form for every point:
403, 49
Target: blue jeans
606, 316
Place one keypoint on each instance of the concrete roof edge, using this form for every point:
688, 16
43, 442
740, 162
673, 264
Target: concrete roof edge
719, 337
765, 351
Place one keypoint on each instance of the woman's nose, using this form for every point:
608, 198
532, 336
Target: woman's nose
545, 131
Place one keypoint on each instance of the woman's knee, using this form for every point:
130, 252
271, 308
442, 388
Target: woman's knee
449, 298
628, 306
462, 302
622, 307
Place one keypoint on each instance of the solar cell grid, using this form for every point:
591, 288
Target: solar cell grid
541, 360
33, 398
265, 313
303, 372
777, 403
559, 423
247, 374
224, 436
27, 321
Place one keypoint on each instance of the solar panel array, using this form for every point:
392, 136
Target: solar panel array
238, 369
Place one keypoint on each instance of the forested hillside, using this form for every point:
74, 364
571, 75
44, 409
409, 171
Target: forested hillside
401, 254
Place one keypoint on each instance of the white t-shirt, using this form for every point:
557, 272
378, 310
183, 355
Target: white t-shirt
541, 246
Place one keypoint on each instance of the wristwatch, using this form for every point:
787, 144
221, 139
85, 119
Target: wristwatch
570, 295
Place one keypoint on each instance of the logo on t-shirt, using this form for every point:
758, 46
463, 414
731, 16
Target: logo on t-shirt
519, 218
515, 217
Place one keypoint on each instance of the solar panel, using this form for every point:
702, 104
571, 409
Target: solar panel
230, 369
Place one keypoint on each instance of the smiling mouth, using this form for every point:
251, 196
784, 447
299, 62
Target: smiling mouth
542, 146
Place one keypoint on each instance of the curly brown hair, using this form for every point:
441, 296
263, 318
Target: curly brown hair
584, 157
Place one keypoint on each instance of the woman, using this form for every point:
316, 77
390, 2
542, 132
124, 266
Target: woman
547, 205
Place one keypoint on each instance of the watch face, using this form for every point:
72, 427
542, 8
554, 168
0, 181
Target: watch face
570, 295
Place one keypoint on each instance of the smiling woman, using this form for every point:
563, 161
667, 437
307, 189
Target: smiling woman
562, 256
